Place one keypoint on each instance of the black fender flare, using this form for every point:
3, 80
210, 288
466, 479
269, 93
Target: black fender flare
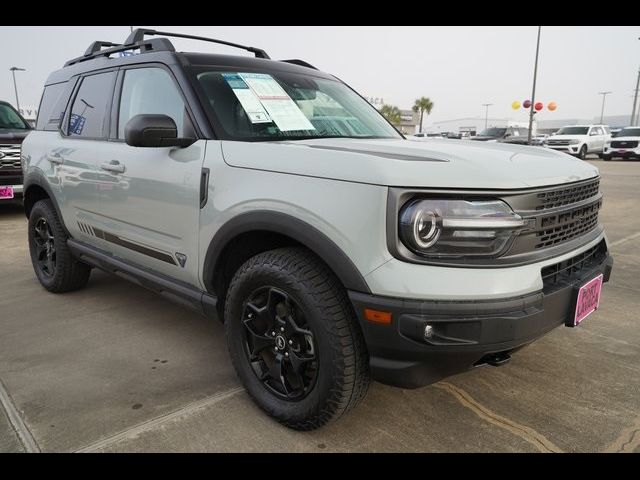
298, 230
36, 178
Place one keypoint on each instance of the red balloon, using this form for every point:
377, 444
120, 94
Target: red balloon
538, 106
526, 103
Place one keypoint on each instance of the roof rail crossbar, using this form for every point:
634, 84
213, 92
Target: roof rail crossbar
138, 35
302, 63
97, 46
94, 51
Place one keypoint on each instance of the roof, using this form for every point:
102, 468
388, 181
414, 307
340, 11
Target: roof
161, 50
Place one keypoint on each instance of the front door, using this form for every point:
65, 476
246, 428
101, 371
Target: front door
149, 197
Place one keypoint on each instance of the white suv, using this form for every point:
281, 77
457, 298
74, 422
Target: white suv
580, 140
271, 196
624, 145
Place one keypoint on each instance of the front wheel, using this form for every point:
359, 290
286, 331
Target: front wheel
294, 339
583, 152
606, 157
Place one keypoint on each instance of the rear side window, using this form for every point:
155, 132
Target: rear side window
52, 106
89, 111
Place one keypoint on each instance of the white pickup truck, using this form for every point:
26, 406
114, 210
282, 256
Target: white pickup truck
579, 140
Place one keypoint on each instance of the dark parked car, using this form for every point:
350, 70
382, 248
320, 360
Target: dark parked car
500, 133
13, 130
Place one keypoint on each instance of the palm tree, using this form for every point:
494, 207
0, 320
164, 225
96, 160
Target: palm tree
422, 105
391, 113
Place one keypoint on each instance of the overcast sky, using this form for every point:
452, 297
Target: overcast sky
459, 68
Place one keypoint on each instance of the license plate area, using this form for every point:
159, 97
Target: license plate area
6, 192
587, 300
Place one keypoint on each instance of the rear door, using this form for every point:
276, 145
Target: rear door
79, 149
149, 199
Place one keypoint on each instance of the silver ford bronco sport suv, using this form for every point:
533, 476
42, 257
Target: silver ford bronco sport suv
272, 196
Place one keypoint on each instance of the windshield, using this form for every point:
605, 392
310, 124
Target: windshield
573, 131
493, 132
286, 106
10, 119
629, 132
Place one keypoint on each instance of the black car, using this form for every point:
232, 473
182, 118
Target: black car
13, 130
500, 133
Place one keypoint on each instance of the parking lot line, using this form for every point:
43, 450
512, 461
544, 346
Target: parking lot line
136, 430
528, 434
23, 432
628, 441
625, 239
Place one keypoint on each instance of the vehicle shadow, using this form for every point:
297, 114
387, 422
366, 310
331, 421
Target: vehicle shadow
11, 208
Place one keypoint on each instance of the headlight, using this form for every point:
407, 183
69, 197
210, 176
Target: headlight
574, 142
458, 228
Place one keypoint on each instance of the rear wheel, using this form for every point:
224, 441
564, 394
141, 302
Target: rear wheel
52, 261
294, 339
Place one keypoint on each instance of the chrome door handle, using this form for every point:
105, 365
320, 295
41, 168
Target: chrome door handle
113, 166
55, 158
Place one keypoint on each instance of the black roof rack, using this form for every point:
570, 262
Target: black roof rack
97, 46
95, 49
138, 36
302, 63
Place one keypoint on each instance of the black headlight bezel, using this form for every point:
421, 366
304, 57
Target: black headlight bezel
521, 201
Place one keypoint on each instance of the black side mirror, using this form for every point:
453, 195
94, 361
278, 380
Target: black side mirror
152, 130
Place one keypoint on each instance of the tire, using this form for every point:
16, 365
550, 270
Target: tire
606, 158
63, 273
583, 152
293, 283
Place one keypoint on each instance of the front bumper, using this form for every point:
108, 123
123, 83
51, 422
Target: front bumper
570, 149
14, 181
622, 152
464, 333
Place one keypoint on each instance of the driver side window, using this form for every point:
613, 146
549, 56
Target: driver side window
151, 91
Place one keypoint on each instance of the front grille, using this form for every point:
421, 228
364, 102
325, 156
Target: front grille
564, 226
558, 142
570, 269
567, 195
624, 144
10, 157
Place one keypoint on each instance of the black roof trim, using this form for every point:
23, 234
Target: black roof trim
138, 36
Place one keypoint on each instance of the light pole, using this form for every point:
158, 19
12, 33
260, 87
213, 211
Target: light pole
604, 96
533, 93
635, 100
13, 71
486, 113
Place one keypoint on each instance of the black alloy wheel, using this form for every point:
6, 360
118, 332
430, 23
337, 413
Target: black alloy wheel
279, 344
45, 247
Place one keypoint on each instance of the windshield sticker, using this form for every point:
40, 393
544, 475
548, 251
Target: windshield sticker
249, 101
281, 108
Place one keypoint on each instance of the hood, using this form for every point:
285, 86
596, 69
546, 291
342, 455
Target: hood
12, 135
402, 163
625, 139
567, 137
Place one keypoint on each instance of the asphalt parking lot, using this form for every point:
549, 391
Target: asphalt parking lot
116, 368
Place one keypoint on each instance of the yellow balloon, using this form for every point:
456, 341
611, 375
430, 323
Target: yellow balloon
552, 106
515, 105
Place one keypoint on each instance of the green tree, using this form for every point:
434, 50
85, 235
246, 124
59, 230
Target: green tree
422, 105
391, 113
